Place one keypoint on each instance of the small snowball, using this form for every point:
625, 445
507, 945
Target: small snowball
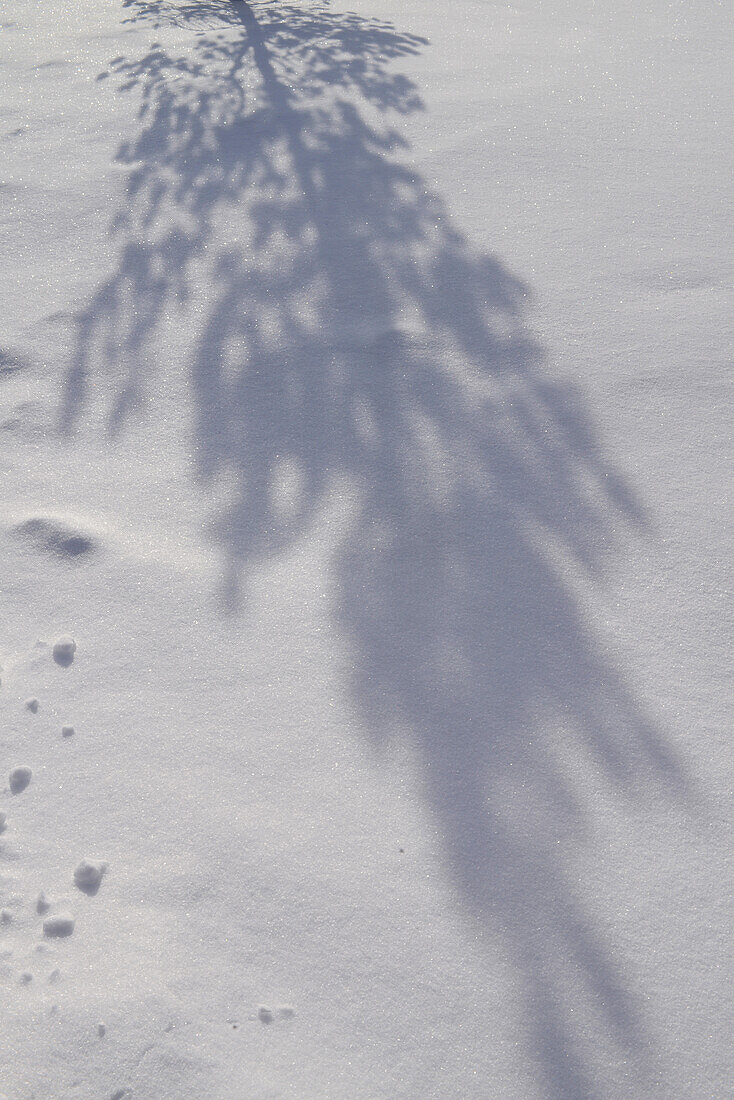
67, 731
264, 1015
31, 705
62, 924
54, 976
26, 977
42, 904
88, 875
6, 916
101, 1029
19, 779
64, 650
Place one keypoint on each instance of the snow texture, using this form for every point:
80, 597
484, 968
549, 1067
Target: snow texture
365, 459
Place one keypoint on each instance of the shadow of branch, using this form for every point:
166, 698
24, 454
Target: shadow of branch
345, 328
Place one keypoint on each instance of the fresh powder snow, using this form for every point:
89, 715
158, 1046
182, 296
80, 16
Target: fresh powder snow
366, 550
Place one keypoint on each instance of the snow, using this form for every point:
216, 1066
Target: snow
19, 778
365, 544
88, 875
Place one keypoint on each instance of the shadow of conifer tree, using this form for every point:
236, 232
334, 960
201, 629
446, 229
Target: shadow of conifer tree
343, 327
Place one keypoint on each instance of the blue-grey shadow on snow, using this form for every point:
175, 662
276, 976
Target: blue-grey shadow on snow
353, 335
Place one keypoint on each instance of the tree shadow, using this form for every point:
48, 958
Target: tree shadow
350, 332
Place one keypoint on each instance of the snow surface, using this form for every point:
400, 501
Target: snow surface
365, 549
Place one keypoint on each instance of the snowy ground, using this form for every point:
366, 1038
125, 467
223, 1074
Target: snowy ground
366, 420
